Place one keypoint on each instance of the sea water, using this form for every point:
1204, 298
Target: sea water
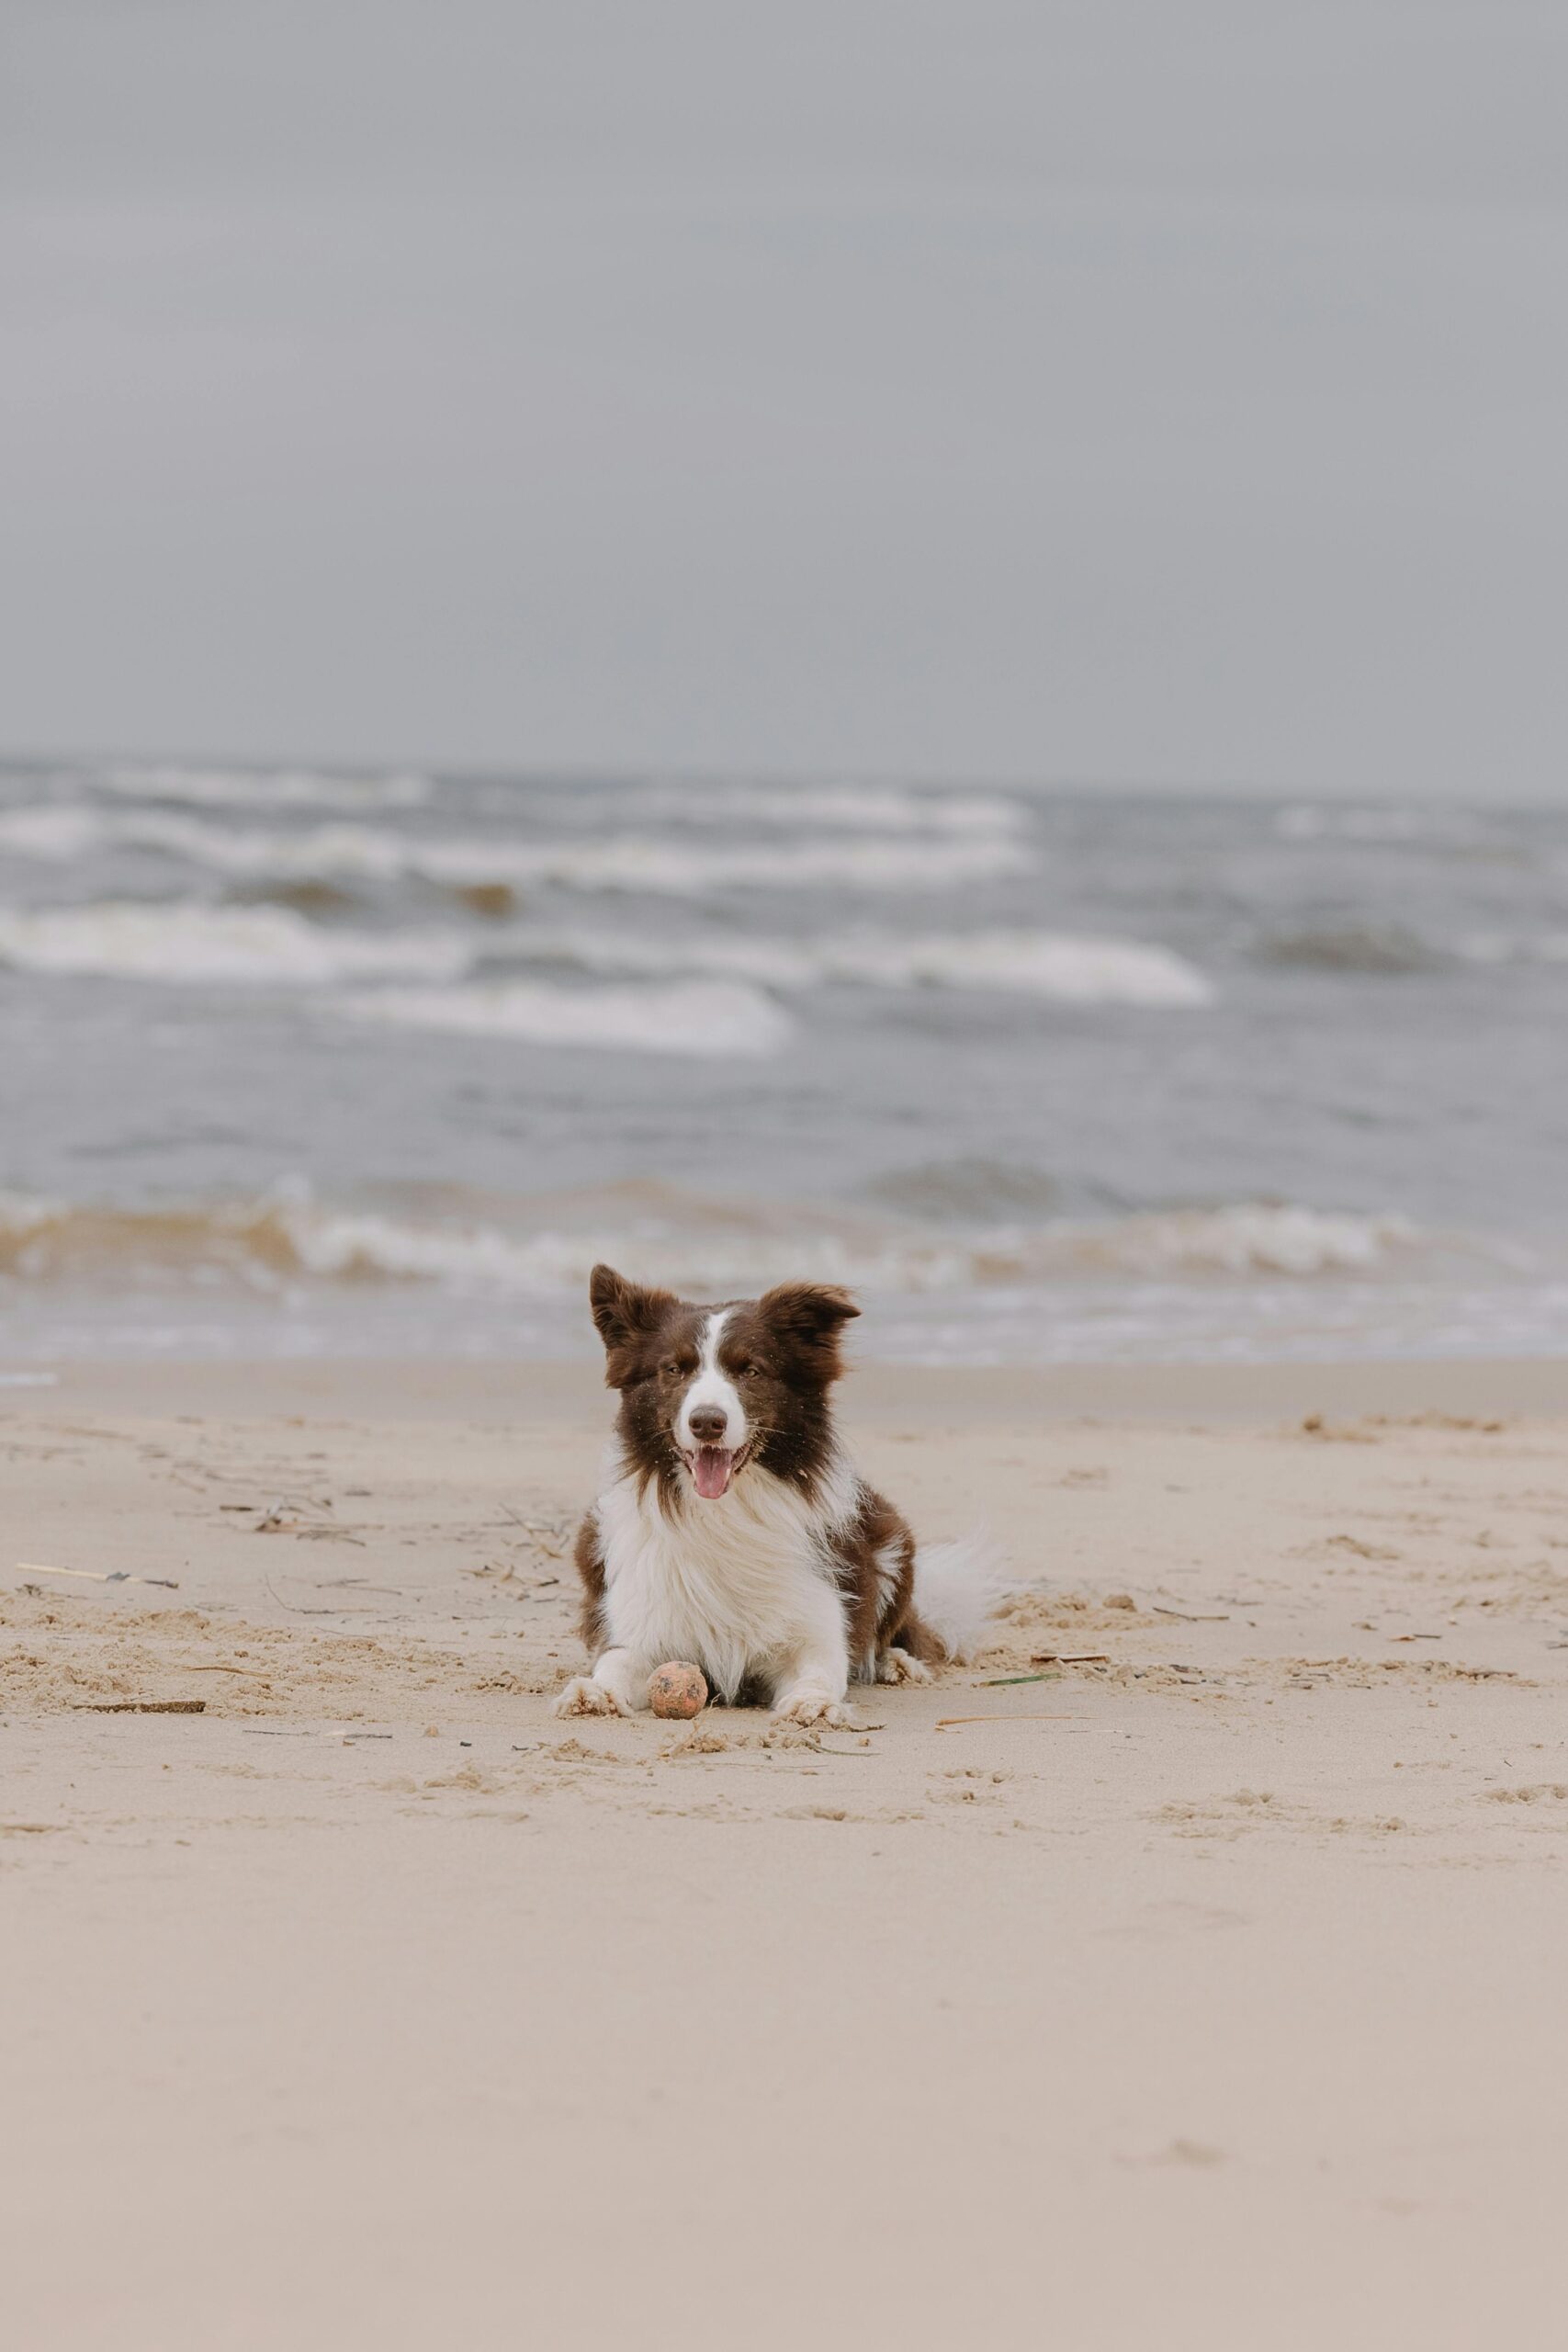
299, 1062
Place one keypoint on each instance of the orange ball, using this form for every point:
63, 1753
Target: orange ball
677, 1690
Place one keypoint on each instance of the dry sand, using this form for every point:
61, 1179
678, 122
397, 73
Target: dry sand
1211, 1990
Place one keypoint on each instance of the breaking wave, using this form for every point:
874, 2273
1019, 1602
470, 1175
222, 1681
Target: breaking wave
866, 809
191, 942
1388, 947
854, 808
697, 1017
1495, 947
1251, 1239
1072, 970
262, 787
55, 831
190, 945
623, 861
1435, 827
695, 1246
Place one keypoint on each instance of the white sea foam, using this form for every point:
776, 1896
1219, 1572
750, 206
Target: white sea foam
209, 788
853, 808
886, 808
619, 862
691, 801
696, 1017
187, 944
1055, 965
52, 830
1500, 948
1436, 827
1252, 1238
1072, 970
863, 808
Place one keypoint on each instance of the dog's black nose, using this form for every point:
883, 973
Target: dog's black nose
708, 1424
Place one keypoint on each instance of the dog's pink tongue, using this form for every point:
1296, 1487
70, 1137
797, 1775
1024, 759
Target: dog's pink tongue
712, 1471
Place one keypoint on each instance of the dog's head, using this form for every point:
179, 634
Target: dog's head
709, 1391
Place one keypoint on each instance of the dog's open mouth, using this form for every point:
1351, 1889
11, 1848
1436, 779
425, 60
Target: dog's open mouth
713, 1467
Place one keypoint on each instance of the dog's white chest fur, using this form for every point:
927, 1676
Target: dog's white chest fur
738, 1585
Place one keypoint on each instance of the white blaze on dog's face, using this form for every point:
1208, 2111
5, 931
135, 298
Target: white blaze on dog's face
711, 1426
706, 1390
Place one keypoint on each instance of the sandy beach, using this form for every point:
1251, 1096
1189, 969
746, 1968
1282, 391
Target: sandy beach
1186, 1970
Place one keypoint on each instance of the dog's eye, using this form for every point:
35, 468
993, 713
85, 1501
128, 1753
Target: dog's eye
744, 1371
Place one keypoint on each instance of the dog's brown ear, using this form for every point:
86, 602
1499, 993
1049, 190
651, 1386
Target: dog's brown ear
624, 1312
810, 1316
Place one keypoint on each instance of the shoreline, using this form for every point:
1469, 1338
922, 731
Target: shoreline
872, 1394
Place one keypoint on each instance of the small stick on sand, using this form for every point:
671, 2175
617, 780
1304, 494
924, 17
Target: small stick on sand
952, 1723
295, 1607
142, 1707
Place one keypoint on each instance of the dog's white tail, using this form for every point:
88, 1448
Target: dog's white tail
957, 1586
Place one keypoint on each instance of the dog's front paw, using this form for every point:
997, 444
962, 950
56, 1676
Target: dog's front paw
813, 1707
583, 1696
897, 1665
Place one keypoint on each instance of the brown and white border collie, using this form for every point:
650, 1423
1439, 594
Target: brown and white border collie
733, 1530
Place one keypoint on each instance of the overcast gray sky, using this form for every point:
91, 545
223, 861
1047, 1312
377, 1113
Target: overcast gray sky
1075, 389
